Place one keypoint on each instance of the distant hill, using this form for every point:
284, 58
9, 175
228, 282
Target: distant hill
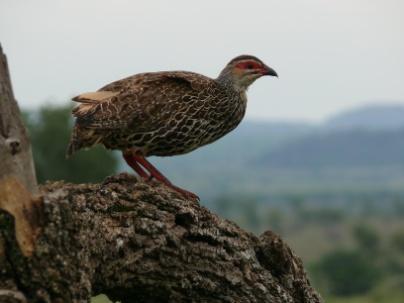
368, 136
369, 117
343, 148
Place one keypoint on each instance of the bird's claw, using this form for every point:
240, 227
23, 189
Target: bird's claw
184, 193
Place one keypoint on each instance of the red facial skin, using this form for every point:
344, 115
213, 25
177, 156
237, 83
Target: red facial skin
251, 65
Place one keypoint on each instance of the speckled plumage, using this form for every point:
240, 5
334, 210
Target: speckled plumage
163, 114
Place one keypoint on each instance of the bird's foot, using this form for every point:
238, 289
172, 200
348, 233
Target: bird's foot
185, 193
148, 172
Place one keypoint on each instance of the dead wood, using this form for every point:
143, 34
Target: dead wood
15, 150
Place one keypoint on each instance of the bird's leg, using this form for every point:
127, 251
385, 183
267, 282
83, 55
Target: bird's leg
154, 172
130, 159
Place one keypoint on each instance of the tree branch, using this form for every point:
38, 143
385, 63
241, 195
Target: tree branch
139, 242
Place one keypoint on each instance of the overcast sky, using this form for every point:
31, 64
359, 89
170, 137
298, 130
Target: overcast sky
330, 54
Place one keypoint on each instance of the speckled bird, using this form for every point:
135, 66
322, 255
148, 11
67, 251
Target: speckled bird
164, 113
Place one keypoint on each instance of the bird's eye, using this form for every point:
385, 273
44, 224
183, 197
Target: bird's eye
250, 66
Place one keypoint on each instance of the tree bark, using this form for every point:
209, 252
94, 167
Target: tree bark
15, 150
141, 242
17, 183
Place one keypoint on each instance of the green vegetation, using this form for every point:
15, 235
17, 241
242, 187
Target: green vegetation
367, 238
49, 129
100, 299
389, 291
346, 272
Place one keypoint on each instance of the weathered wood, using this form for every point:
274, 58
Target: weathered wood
17, 184
18, 202
15, 151
139, 242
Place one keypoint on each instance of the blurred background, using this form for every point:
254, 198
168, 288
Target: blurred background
319, 158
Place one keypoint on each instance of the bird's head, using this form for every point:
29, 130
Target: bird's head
243, 70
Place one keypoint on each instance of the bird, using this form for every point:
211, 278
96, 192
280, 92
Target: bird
164, 113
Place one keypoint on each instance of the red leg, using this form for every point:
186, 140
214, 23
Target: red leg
130, 159
154, 172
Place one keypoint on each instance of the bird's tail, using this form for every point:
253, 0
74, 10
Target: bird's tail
74, 143
71, 149
81, 138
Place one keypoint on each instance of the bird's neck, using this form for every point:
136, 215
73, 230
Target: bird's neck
227, 80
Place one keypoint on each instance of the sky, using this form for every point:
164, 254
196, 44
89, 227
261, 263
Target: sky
330, 54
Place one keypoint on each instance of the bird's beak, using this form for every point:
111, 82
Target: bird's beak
268, 71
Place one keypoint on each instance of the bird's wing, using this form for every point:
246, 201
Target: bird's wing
97, 109
136, 99
90, 100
